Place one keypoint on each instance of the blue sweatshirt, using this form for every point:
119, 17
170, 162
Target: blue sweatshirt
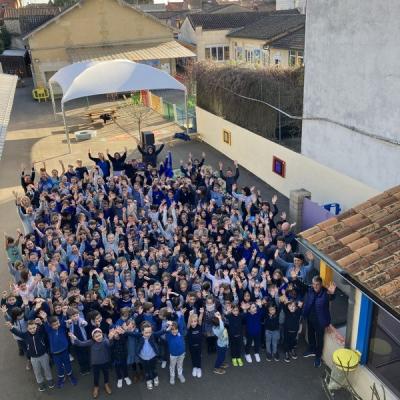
57, 338
253, 322
176, 344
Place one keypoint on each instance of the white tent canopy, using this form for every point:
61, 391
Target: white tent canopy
92, 78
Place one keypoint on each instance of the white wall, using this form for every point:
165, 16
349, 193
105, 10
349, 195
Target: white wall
255, 154
291, 4
351, 76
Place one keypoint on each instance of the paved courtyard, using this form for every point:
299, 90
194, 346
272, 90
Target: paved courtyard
31, 137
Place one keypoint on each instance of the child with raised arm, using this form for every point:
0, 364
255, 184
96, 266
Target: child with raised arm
222, 343
99, 357
35, 342
272, 332
235, 331
253, 314
148, 352
176, 347
194, 336
58, 340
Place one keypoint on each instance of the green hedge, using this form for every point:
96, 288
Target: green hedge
264, 84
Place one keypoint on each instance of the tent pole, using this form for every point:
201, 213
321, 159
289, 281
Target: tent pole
66, 128
53, 103
186, 113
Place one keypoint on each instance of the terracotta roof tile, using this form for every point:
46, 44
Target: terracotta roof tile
394, 272
363, 206
378, 215
350, 238
358, 265
309, 232
397, 195
393, 190
368, 249
389, 288
377, 256
388, 262
340, 253
357, 244
365, 241
331, 248
348, 213
370, 210
378, 280
326, 224
357, 221
378, 197
334, 228
393, 207
388, 219
317, 237
348, 259
394, 300
393, 226
368, 229
368, 273
325, 242
385, 240
379, 233
342, 233
387, 201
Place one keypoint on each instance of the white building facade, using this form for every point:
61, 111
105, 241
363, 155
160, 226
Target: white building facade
352, 89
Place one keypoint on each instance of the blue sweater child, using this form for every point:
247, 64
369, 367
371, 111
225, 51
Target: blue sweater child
253, 319
57, 334
176, 347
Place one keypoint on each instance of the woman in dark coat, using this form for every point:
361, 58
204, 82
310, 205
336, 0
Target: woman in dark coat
149, 155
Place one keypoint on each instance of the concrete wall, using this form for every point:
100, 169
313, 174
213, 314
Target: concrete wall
255, 154
291, 4
352, 77
93, 23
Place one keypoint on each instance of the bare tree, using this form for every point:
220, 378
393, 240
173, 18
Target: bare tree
140, 114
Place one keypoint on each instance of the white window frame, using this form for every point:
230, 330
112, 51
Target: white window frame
217, 46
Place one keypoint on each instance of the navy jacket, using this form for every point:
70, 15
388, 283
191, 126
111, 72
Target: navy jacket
35, 344
152, 341
321, 303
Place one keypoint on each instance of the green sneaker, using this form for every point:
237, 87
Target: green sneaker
239, 362
234, 362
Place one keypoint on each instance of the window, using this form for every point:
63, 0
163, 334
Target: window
226, 137
384, 349
226, 52
249, 55
296, 58
217, 53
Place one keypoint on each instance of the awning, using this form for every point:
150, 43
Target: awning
152, 51
8, 84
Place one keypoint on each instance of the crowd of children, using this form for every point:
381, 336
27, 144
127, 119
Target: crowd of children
128, 267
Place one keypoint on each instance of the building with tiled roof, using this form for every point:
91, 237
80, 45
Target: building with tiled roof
360, 250
25, 19
85, 32
210, 32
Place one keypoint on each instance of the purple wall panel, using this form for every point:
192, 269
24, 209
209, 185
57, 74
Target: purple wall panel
313, 214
